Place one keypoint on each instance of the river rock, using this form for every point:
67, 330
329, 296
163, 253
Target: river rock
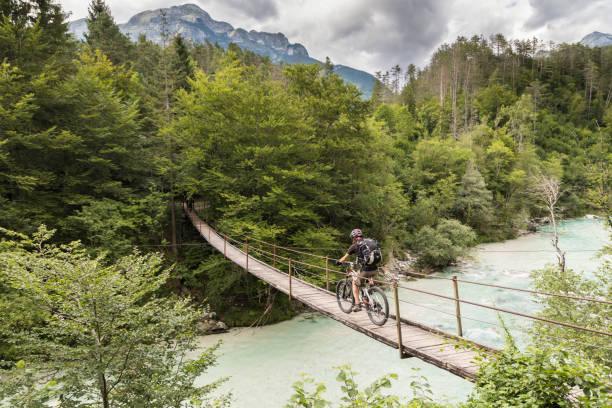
209, 324
220, 326
394, 268
534, 223
209, 316
206, 326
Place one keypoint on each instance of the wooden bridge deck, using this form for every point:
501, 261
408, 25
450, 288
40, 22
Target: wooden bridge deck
433, 346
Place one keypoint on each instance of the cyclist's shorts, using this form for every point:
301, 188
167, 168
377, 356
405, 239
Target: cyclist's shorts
365, 272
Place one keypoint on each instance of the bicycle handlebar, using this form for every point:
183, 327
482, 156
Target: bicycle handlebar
349, 263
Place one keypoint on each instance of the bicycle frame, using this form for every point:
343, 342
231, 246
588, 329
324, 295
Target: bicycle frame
363, 293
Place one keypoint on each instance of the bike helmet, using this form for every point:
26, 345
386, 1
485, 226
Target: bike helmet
356, 233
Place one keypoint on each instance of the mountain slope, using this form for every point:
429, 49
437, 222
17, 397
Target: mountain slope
597, 39
196, 24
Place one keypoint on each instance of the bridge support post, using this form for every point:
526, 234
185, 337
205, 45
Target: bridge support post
274, 259
225, 244
247, 254
208, 232
290, 291
326, 273
457, 308
398, 322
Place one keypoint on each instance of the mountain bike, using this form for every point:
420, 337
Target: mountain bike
371, 297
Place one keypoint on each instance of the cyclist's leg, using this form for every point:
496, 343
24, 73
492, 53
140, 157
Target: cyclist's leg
357, 281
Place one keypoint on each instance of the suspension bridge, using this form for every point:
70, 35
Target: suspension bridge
453, 353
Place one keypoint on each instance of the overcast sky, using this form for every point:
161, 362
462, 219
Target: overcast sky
375, 35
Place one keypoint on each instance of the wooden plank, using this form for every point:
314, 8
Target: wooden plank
418, 335
443, 345
461, 362
417, 341
417, 345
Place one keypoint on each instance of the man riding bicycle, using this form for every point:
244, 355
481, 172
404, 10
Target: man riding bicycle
368, 256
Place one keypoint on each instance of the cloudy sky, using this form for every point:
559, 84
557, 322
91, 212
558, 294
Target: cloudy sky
375, 35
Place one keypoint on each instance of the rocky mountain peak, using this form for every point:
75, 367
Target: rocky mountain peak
597, 39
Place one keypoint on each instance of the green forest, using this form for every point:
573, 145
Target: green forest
102, 140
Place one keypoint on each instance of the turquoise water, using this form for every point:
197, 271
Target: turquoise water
508, 263
263, 363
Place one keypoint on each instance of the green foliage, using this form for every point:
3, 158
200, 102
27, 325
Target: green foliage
109, 225
103, 34
474, 200
534, 378
491, 100
34, 34
270, 157
442, 245
107, 339
585, 314
520, 120
435, 159
181, 64
540, 378
372, 396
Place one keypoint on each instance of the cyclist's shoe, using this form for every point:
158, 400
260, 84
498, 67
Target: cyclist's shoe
357, 308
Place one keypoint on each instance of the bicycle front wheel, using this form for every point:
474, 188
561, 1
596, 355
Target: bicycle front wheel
378, 312
344, 296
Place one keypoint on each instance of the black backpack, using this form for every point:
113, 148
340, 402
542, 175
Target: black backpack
370, 252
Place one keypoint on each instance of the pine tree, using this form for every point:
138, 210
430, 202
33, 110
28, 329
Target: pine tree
181, 64
473, 200
104, 34
31, 33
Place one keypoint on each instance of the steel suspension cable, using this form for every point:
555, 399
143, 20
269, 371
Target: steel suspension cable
513, 288
509, 311
516, 328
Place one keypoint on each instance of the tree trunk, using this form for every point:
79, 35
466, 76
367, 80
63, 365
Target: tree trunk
466, 88
442, 87
548, 187
454, 85
555, 240
104, 391
171, 160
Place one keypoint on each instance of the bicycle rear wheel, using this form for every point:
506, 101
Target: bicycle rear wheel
378, 312
344, 296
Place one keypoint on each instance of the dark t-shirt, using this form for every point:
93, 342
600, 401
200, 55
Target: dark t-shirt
355, 250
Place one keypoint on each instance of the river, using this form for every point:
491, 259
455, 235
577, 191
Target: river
263, 363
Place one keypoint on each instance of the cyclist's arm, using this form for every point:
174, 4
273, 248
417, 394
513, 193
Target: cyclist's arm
351, 250
344, 257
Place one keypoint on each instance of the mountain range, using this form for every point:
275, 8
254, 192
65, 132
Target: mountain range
195, 24
597, 39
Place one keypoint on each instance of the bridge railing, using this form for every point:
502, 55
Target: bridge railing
324, 276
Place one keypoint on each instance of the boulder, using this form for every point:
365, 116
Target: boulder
220, 326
